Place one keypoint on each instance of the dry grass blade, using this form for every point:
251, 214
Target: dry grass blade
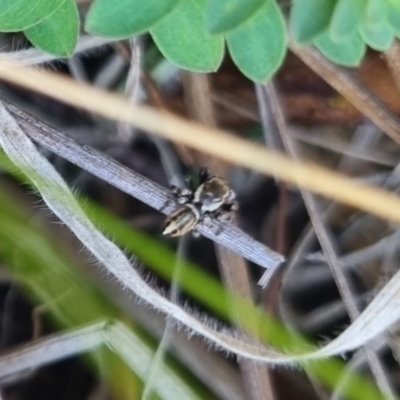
392, 57
56, 348
233, 268
120, 339
138, 186
132, 86
215, 371
324, 237
341, 147
215, 142
382, 312
348, 86
116, 336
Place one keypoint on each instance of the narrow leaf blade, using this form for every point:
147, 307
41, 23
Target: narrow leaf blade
125, 18
57, 34
259, 46
222, 16
182, 38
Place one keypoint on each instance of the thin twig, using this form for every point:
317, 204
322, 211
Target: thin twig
341, 147
132, 86
232, 103
233, 268
381, 313
213, 141
392, 57
168, 158
115, 335
356, 364
164, 343
138, 186
325, 240
350, 88
210, 367
273, 140
57, 347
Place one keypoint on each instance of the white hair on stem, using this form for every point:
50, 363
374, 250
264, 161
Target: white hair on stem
35, 56
382, 312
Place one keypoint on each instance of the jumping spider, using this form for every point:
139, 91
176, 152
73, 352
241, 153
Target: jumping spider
212, 198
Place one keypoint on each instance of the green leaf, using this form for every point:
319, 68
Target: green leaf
183, 40
259, 46
59, 33
375, 12
17, 15
393, 15
378, 36
346, 17
349, 52
125, 18
308, 18
222, 16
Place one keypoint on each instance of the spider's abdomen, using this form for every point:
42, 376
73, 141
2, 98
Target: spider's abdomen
181, 220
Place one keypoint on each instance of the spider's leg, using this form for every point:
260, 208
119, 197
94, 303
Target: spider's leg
182, 196
226, 212
209, 220
176, 191
185, 196
231, 197
189, 183
203, 175
230, 207
186, 192
167, 203
195, 233
225, 217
